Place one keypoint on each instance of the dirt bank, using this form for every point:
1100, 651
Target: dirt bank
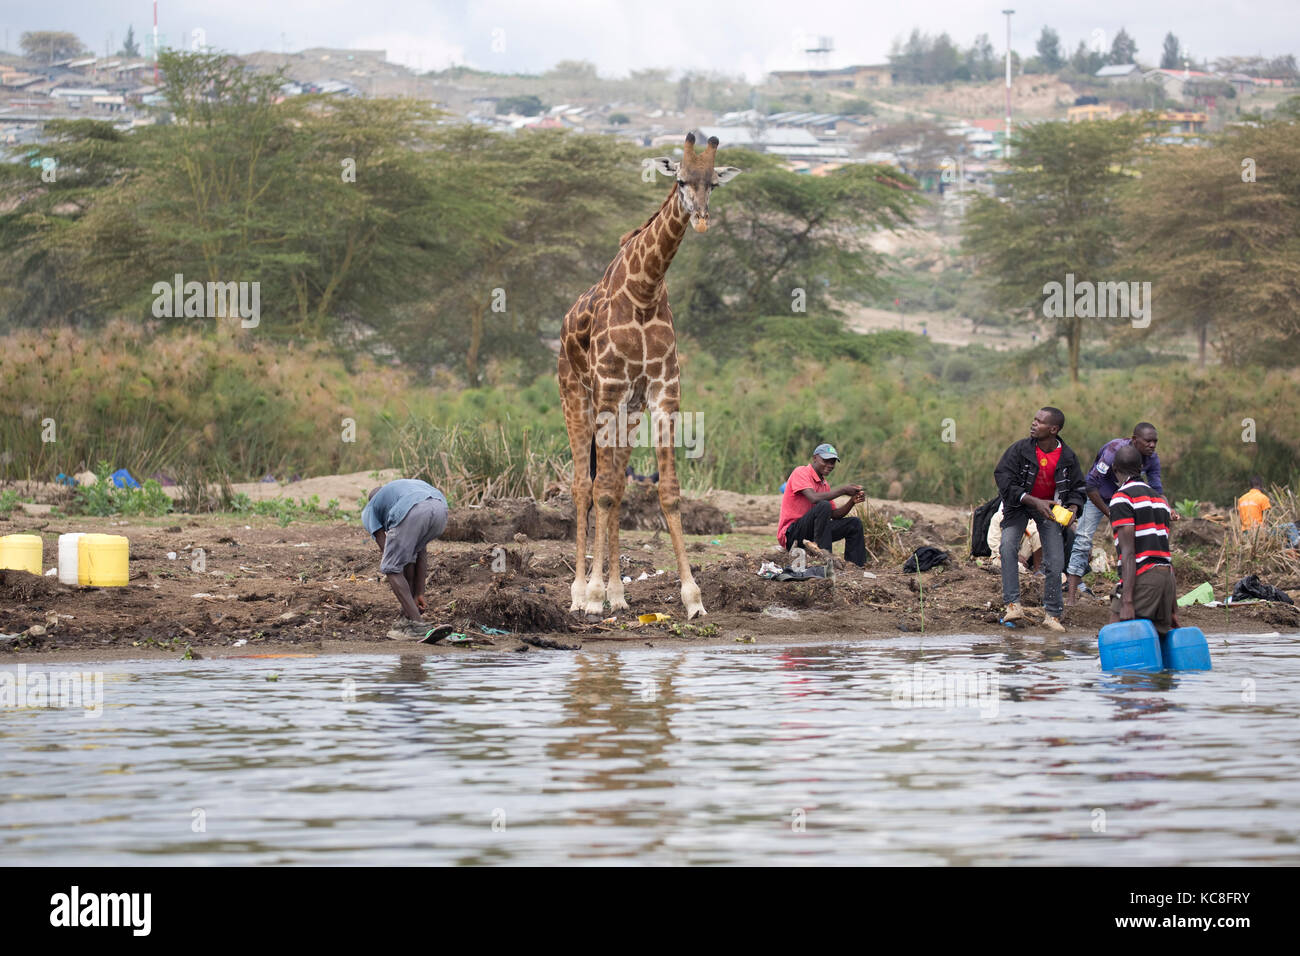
314, 588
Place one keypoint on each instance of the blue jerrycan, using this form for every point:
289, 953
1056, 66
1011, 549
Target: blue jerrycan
1186, 649
1130, 646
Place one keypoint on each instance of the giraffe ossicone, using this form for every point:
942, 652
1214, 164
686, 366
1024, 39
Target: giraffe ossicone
618, 361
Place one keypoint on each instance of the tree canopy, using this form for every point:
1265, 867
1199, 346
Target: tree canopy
50, 45
1057, 212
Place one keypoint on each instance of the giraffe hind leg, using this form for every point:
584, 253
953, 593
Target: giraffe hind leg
582, 446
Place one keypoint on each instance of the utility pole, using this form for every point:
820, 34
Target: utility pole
1006, 147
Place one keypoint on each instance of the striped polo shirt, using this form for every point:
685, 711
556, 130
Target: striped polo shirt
1137, 506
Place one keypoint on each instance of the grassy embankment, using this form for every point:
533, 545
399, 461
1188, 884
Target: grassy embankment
912, 418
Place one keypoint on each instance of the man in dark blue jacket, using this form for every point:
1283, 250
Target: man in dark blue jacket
1034, 474
1101, 487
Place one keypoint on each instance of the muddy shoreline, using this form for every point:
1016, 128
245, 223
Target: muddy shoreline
312, 587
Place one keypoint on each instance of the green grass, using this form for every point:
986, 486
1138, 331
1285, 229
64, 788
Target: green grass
206, 414
103, 498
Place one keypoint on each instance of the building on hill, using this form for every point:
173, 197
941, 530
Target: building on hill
1175, 82
1184, 122
1120, 73
788, 142
1089, 111
864, 77
324, 53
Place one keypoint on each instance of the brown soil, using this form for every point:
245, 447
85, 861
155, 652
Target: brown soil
314, 588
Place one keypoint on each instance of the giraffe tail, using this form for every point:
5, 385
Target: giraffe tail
591, 461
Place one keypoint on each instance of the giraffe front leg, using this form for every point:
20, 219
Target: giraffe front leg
581, 506
594, 598
670, 500
603, 495
622, 455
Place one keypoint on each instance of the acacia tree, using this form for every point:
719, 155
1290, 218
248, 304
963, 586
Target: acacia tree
777, 238
42, 194
330, 204
1218, 232
50, 45
1057, 213
554, 206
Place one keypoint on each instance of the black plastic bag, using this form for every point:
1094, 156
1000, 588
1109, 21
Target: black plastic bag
1252, 587
926, 557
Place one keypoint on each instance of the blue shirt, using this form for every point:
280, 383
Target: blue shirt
391, 502
1100, 476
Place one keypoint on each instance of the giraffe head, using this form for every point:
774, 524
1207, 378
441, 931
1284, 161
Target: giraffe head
696, 178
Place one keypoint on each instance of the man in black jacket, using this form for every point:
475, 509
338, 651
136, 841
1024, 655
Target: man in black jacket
1034, 474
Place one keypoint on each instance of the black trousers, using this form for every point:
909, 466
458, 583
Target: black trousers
821, 529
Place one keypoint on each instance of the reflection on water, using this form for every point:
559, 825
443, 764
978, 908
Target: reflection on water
915, 750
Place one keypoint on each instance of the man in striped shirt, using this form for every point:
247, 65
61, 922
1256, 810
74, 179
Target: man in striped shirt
1139, 518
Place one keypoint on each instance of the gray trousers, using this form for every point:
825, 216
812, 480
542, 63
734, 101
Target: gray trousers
1053, 538
404, 541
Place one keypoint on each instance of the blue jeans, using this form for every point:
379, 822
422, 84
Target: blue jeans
1082, 550
1052, 536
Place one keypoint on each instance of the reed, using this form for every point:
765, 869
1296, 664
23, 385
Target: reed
884, 541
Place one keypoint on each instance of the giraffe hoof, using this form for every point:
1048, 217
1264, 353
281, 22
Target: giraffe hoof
696, 611
619, 605
595, 608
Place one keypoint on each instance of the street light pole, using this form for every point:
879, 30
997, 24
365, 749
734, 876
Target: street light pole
1006, 147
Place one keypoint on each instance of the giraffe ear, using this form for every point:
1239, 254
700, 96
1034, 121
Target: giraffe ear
666, 166
726, 174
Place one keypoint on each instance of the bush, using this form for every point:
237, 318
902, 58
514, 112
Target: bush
103, 498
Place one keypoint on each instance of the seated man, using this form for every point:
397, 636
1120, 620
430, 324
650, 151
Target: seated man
808, 514
1139, 519
1034, 474
404, 516
1101, 488
1030, 555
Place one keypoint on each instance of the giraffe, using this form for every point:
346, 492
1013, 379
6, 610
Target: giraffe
618, 353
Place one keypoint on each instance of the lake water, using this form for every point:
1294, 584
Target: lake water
1023, 753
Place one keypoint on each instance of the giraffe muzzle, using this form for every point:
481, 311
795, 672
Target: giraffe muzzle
701, 224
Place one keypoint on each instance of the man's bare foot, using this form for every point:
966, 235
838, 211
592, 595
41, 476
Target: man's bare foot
1072, 589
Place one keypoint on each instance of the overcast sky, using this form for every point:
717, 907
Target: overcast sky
732, 36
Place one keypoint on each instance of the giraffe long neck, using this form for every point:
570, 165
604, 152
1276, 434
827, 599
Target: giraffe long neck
649, 251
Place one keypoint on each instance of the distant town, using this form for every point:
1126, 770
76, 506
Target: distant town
949, 133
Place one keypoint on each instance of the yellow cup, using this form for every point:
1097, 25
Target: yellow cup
103, 560
1062, 514
21, 552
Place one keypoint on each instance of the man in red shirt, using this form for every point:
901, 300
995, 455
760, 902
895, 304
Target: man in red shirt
1034, 474
808, 512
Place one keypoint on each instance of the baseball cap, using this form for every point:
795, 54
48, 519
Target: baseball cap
826, 452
